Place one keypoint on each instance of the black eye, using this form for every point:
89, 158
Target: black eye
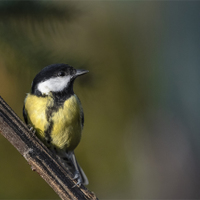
61, 74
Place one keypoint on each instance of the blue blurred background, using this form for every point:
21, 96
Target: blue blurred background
141, 98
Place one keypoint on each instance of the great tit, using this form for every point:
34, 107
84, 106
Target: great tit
54, 112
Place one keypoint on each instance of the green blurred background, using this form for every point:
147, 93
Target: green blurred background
141, 98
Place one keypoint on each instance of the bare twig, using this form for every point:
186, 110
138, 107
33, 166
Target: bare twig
39, 157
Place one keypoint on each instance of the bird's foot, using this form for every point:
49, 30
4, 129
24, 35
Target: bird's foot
78, 178
31, 129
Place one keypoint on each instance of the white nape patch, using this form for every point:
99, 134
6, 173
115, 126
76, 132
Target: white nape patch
56, 84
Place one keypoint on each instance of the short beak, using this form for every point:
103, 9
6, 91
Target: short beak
80, 72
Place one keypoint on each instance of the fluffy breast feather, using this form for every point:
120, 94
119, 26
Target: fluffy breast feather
67, 126
66, 133
35, 109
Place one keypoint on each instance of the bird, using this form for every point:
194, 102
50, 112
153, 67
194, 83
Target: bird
55, 113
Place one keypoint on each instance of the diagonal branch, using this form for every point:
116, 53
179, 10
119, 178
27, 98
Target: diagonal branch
41, 159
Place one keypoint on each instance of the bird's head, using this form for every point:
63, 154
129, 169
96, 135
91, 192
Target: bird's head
55, 78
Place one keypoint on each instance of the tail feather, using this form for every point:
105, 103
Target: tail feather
83, 176
70, 162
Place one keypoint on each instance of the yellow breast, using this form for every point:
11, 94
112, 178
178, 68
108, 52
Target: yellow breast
66, 120
66, 133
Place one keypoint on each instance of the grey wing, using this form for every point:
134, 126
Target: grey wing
25, 115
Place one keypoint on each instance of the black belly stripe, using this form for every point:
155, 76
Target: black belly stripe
58, 102
48, 131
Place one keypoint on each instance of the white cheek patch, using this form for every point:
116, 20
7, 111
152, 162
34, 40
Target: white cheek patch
56, 84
